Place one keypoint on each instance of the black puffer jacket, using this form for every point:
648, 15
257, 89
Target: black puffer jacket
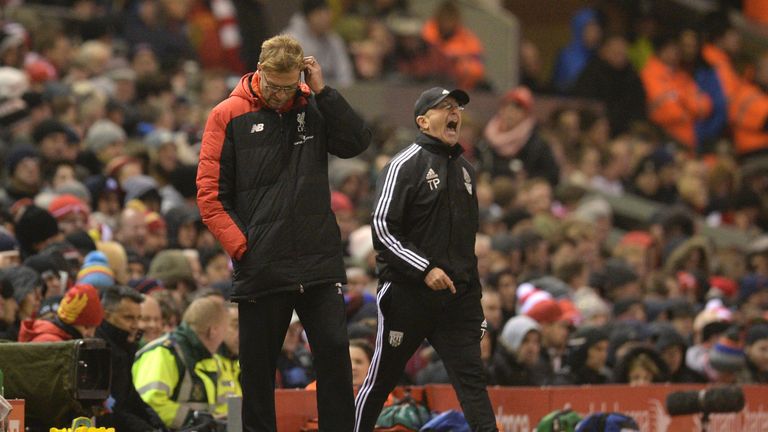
263, 186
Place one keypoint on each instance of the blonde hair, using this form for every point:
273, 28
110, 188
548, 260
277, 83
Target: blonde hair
204, 313
281, 54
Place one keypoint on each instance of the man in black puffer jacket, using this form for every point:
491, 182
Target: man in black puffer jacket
263, 192
120, 329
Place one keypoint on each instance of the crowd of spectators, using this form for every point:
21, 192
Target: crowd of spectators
103, 105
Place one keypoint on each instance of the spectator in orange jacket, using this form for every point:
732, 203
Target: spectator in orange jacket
674, 100
748, 112
458, 44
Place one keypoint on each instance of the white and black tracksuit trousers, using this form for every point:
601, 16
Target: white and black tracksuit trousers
452, 324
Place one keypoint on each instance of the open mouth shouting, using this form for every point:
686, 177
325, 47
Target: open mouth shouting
451, 133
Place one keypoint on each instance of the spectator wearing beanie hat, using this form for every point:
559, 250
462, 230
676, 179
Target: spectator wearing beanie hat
79, 314
672, 347
70, 212
516, 360
620, 281
23, 170
157, 233
587, 356
171, 267
9, 250
35, 229
727, 360
545, 310
106, 140
50, 265
81, 241
56, 141
145, 189
27, 292
96, 271
756, 349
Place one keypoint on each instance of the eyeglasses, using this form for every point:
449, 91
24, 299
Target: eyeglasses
448, 106
278, 89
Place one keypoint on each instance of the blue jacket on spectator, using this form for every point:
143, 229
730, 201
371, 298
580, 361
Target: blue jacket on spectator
575, 56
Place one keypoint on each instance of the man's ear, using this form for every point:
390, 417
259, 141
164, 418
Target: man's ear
422, 121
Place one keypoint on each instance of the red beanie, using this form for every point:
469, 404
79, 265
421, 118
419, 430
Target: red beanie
66, 204
546, 311
81, 306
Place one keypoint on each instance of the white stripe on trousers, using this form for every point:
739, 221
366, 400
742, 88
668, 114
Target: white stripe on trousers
373, 369
382, 207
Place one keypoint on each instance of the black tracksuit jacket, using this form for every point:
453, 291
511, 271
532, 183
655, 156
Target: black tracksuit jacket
263, 186
426, 216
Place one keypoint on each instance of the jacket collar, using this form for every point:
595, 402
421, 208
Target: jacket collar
71, 330
226, 353
436, 146
117, 336
190, 343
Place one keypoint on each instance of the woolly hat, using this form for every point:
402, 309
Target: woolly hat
538, 304
146, 285
67, 204
96, 271
591, 305
137, 186
17, 155
81, 241
7, 241
339, 170
727, 355
155, 222
81, 306
569, 312
520, 96
34, 226
103, 133
667, 336
723, 286
170, 266
514, 331
618, 273
715, 318
52, 126
580, 342
553, 285
24, 280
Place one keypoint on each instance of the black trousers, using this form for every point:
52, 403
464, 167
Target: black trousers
263, 324
451, 323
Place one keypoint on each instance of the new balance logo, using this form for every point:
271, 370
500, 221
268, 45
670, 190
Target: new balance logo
257, 127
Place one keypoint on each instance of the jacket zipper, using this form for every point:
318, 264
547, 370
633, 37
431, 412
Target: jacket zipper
285, 134
450, 180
